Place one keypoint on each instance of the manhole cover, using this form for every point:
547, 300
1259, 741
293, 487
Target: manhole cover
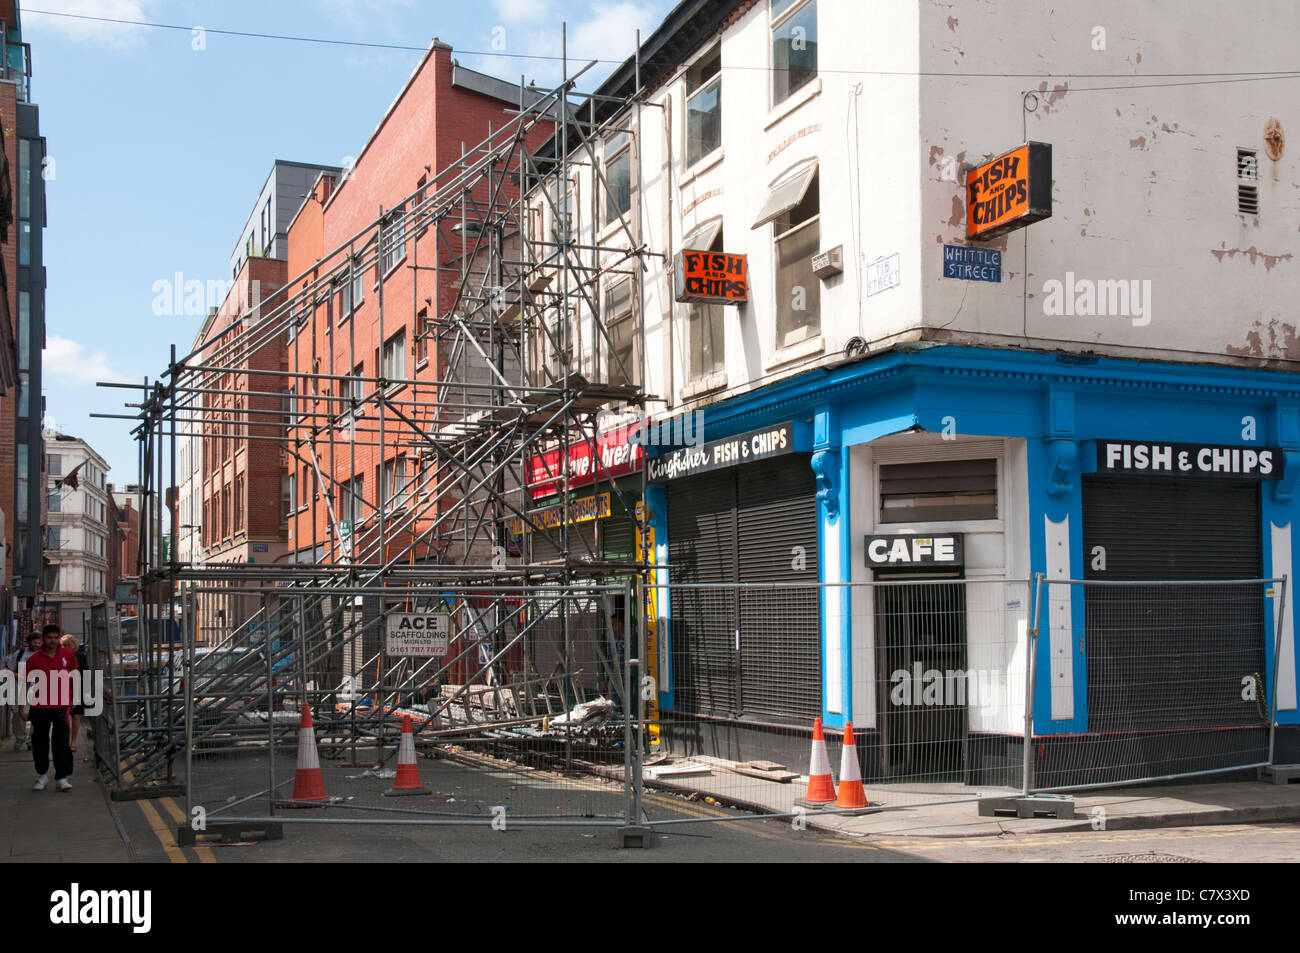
1153, 857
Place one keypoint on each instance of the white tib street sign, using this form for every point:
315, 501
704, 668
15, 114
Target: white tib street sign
422, 634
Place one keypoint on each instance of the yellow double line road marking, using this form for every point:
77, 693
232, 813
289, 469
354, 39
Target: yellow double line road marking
166, 835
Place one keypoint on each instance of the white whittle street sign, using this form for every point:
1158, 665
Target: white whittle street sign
422, 634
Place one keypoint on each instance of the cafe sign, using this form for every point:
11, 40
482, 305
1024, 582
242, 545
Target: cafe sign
1009, 192
897, 551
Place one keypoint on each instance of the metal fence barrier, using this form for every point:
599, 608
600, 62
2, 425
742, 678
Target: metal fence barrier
561, 705
1176, 680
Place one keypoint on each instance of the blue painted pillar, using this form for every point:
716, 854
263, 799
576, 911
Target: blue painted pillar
1056, 549
830, 465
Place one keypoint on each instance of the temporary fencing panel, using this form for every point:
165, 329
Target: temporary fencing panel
1176, 679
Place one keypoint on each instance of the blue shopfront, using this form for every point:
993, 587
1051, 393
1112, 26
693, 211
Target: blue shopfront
1095, 469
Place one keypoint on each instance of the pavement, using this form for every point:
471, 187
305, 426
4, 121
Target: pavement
83, 825
51, 826
946, 811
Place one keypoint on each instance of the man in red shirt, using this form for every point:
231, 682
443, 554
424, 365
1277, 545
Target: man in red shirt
49, 687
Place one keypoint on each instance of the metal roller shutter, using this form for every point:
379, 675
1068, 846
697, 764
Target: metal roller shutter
701, 549
1205, 638
780, 631
752, 653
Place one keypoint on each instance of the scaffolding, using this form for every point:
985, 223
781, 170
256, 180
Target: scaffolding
495, 308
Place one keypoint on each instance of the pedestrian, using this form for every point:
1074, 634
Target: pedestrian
50, 703
23, 727
79, 709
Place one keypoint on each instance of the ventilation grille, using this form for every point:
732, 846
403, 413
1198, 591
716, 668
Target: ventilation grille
1247, 179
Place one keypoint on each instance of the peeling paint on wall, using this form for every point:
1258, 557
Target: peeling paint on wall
1281, 338
958, 217
1252, 253
1056, 95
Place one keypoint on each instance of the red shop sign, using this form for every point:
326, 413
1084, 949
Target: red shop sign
617, 456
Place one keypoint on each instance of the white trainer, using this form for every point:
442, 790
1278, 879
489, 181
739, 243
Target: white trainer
63, 784
41, 781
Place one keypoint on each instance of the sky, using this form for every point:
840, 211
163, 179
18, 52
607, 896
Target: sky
161, 139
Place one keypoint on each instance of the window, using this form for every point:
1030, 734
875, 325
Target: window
704, 321
941, 490
23, 483
564, 218
704, 107
396, 492
239, 505
24, 394
351, 500
793, 207
54, 537
55, 501
266, 226
288, 412
421, 339
352, 292
394, 239
24, 329
393, 365
622, 365
421, 215
1247, 182
618, 176
54, 464
794, 47
288, 496
355, 389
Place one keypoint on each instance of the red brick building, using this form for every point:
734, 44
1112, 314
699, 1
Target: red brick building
244, 428
443, 110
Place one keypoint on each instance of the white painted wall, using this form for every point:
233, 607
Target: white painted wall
997, 605
1145, 182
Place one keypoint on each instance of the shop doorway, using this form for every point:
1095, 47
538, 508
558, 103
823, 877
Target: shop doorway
921, 661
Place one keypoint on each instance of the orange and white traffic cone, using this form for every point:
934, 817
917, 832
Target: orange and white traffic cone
851, 793
408, 775
308, 783
821, 789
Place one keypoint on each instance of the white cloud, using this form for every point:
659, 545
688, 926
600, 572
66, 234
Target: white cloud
69, 363
515, 11
92, 31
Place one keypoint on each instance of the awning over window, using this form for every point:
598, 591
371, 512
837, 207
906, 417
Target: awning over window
702, 238
786, 194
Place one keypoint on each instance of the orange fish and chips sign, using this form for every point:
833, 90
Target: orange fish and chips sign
1009, 192
715, 277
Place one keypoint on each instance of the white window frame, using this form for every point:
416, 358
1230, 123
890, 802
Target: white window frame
794, 336
608, 365
704, 238
394, 247
609, 157
397, 487
393, 351
714, 81
775, 23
